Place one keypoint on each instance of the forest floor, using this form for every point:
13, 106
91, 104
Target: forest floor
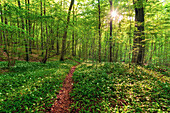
114, 87
64, 87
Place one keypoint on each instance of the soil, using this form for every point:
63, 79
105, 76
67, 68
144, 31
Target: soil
63, 101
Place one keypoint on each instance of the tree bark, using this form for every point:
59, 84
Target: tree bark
29, 24
46, 51
65, 32
52, 35
57, 43
2, 20
76, 34
42, 39
110, 39
130, 37
99, 32
73, 53
26, 39
139, 44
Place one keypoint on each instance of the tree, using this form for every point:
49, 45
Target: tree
44, 60
42, 39
99, 31
110, 39
26, 38
29, 33
139, 44
65, 32
73, 36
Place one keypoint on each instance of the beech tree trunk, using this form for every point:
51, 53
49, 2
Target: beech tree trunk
73, 53
44, 60
99, 32
138, 43
29, 29
110, 39
2, 20
26, 39
65, 33
57, 43
42, 40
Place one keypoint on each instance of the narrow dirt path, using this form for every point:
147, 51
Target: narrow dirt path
62, 104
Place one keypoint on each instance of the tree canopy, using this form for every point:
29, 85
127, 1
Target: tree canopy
57, 27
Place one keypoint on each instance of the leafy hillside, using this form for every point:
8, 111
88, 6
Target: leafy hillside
31, 87
113, 87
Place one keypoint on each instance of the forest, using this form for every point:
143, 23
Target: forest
84, 56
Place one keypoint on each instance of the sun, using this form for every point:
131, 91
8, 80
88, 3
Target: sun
114, 14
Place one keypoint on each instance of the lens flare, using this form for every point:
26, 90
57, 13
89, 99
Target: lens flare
114, 14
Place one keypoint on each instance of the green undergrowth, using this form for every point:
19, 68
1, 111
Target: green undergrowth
31, 87
113, 87
162, 69
76, 59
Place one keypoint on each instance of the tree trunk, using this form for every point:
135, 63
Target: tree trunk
57, 43
99, 32
52, 35
130, 36
42, 39
2, 20
105, 53
29, 23
5, 34
139, 44
26, 39
37, 40
75, 45
46, 51
114, 44
33, 35
110, 39
73, 54
65, 32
